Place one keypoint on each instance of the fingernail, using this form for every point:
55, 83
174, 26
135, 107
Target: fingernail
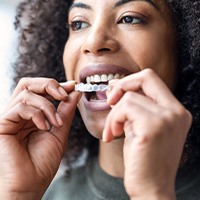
59, 119
62, 92
104, 137
71, 82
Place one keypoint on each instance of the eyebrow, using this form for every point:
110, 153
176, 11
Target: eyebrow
118, 4
122, 2
79, 5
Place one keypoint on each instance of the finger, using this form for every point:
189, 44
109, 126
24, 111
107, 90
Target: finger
31, 99
44, 86
147, 81
68, 86
66, 110
122, 117
141, 100
15, 119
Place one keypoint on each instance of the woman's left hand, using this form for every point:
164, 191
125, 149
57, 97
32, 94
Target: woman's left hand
155, 126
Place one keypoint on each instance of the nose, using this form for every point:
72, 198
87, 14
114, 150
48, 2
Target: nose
99, 40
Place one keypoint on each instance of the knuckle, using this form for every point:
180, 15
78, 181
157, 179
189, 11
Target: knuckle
25, 95
144, 138
47, 106
24, 82
168, 116
185, 116
128, 96
171, 119
148, 72
118, 86
51, 81
37, 113
174, 115
20, 106
167, 121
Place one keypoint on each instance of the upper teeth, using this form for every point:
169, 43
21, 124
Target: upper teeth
103, 78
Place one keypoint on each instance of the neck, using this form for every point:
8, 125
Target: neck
111, 157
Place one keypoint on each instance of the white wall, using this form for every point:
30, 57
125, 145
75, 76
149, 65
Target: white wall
8, 43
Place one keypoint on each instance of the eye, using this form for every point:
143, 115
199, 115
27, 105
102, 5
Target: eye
78, 25
129, 19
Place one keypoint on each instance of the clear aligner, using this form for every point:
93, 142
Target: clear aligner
91, 88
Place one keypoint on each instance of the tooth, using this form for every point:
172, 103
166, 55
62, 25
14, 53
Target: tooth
110, 77
88, 79
116, 76
91, 78
104, 78
97, 78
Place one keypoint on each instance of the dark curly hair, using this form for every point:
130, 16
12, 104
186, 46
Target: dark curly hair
42, 36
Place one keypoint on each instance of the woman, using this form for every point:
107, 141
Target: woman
142, 122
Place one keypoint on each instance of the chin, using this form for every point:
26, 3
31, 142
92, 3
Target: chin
94, 121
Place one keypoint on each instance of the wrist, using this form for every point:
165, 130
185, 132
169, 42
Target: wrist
155, 197
20, 196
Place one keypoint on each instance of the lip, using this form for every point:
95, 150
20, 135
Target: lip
99, 69
95, 106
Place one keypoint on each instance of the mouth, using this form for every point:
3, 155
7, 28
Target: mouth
101, 75
99, 81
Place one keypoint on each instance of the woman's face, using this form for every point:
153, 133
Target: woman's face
116, 38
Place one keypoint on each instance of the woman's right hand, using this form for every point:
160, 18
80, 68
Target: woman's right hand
33, 136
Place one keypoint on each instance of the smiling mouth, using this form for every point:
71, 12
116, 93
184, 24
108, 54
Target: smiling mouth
98, 76
104, 78
96, 85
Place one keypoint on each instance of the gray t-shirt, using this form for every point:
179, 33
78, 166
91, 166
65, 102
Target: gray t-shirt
90, 182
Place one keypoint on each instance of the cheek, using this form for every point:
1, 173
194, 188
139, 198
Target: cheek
70, 60
67, 64
161, 55
156, 51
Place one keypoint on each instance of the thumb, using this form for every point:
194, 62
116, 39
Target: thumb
66, 110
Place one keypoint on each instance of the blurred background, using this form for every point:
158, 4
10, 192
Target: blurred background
8, 53
8, 46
